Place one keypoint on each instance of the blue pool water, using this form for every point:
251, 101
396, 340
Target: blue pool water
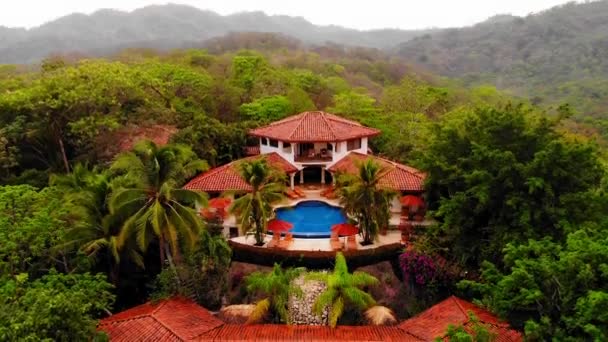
311, 219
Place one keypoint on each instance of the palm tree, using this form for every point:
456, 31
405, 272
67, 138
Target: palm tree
343, 289
365, 199
254, 208
153, 206
276, 286
95, 235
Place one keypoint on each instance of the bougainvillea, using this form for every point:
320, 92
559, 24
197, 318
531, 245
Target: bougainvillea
419, 268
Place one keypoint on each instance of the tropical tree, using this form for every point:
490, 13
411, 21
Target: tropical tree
55, 307
365, 199
254, 208
276, 286
97, 233
203, 274
154, 206
343, 289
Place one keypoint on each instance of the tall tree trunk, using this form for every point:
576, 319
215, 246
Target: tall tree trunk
64, 156
172, 266
161, 246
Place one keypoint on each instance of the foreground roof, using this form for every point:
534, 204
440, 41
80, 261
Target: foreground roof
314, 127
397, 176
227, 177
179, 319
434, 321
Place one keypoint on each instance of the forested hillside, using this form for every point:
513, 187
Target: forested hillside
85, 213
169, 26
553, 57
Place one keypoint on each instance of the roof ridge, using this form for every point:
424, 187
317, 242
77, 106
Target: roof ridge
331, 129
304, 115
457, 301
168, 328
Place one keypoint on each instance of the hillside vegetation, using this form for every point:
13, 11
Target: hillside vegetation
518, 227
553, 57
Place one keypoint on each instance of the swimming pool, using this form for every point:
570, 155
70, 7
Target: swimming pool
311, 219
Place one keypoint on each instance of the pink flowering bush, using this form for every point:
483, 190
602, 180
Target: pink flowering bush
418, 269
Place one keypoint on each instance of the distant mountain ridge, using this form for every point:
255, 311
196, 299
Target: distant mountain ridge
171, 26
558, 55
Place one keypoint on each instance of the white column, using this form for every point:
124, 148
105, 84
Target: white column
291, 178
302, 176
322, 175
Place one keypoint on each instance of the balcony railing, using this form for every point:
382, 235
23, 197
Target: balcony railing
317, 157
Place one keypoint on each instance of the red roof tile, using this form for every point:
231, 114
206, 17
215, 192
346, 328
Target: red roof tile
227, 177
314, 127
276, 332
175, 319
434, 322
180, 319
398, 176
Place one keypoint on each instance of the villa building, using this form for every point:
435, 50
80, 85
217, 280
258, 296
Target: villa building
311, 147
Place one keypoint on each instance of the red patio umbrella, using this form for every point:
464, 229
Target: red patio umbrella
412, 201
345, 229
279, 226
219, 202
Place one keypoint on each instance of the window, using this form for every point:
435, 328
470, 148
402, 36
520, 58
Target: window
264, 141
274, 143
286, 147
330, 147
353, 144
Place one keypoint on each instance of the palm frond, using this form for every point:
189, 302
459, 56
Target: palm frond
380, 315
260, 311
336, 311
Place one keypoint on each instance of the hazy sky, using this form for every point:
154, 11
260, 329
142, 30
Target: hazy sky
406, 14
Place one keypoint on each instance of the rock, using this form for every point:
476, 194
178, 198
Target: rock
300, 308
236, 314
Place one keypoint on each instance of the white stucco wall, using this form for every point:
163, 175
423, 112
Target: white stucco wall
288, 155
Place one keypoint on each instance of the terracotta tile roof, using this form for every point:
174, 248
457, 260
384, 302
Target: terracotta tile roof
227, 177
180, 319
434, 322
175, 319
398, 176
276, 332
314, 127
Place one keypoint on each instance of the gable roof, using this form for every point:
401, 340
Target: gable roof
397, 176
434, 321
175, 319
180, 319
314, 127
227, 177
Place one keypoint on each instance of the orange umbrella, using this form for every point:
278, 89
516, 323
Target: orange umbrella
279, 226
219, 202
345, 229
412, 201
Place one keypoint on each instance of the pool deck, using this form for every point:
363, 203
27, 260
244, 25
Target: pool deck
317, 252
315, 195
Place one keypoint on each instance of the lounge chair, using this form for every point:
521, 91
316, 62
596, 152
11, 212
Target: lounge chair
351, 243
285, 243
274, 242
334, 242
291, 194
299, 192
